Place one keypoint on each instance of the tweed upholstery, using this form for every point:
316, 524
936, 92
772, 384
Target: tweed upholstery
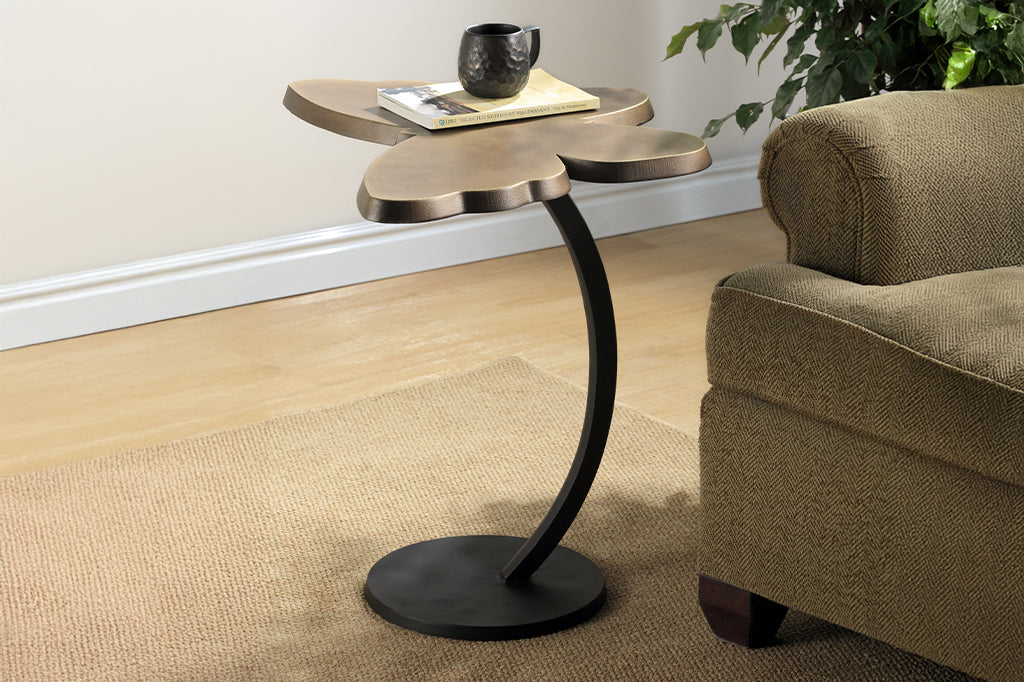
862, 444
935, 366
902, 186
900, 547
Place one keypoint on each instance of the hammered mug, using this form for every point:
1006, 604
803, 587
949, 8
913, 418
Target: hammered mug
495, 59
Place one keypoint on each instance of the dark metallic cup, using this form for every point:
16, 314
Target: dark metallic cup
495, 60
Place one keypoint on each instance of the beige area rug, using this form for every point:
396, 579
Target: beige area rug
241, 555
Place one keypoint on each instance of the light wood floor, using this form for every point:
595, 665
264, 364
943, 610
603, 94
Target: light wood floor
80, 398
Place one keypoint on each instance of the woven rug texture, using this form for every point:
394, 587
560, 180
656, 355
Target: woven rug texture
241, 555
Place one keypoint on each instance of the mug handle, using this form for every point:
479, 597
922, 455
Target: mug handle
534, 42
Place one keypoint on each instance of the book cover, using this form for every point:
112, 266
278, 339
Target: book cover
447, 105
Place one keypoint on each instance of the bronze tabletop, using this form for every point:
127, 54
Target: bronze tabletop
497, 167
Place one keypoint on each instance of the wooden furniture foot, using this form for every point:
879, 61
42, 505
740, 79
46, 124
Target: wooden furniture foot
738, 616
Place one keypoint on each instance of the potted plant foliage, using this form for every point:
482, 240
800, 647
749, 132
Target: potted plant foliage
846, 49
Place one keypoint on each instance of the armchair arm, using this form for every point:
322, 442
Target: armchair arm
902, 186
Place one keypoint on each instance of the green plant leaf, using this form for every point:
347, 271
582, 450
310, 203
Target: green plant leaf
969, 22
675, 46
852, 89
927, 14
746, 35
796, 42
875, 29
888, 53
924, 30
714, 126
959, 66
993, 17
747, 114
1015, 42
852, 15
987, 41
823, 87
806, 61
861, 65
730, 13
708, 34
826, 38
955, 18
768, 50
777, 25
784, 97
1011, 76
982, 66
947, 17
770, 9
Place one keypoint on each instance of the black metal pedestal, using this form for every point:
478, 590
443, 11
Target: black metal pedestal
487, 587
451, 588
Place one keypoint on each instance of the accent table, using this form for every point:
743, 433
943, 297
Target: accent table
486, 587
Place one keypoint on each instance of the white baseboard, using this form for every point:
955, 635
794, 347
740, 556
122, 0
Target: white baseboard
163, 288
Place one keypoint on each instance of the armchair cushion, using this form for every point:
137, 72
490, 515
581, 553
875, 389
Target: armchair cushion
901, 186
935, 366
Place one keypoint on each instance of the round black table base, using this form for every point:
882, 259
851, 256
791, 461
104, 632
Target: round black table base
451, 588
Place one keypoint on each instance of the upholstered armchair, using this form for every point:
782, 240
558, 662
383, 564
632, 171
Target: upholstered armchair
862, 443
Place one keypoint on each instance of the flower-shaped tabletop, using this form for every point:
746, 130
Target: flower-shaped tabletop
429, 175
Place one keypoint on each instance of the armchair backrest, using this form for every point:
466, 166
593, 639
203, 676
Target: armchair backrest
901, 186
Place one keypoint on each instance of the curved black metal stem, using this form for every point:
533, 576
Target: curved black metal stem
597, 302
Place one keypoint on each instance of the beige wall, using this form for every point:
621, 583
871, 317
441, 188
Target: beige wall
132, 130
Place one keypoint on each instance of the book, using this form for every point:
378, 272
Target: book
446, 105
